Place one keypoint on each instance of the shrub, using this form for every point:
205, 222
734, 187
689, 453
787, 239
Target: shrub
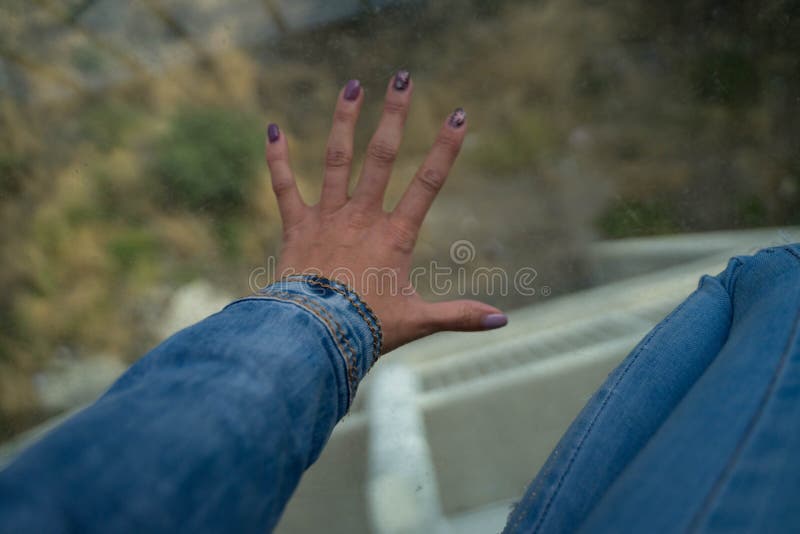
628, 218
14, 169
523, 140
104, 124
132, 246
726, 77
207, 159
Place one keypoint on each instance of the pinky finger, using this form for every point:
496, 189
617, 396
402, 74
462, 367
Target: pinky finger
290, 203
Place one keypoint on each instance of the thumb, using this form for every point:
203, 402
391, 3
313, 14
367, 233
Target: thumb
464, 315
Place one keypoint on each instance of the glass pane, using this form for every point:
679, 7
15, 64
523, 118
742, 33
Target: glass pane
134, 199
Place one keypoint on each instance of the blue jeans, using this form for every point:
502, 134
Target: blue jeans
210, 432
698, 429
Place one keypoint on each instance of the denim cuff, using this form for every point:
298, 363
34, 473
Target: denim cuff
351, 323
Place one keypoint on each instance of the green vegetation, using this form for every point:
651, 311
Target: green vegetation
88, 59
207, 160
726, 77
13, 171
133, 246
105, 123
752, 211
628, 218
521, 145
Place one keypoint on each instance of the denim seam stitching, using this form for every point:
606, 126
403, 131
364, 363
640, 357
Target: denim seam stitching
735, 457
298, 301
791, 250
352, 366
370, 318
730, 285
600, 410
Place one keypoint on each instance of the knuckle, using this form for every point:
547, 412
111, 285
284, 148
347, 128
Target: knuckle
281, 187
291, 232
359, 220
466, 316
275, 156
402, 237
449, 143
327, 218
431, 180
344, 115
394, 107
337, 157
382, 152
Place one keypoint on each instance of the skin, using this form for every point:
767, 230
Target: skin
344, 236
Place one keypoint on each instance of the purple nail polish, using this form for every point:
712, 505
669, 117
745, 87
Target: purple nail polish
457, 118
401, 80
273, 132
352, 90
494, 320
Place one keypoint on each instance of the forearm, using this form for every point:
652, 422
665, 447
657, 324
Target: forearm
212, 429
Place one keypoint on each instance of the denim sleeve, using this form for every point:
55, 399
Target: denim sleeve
210, 431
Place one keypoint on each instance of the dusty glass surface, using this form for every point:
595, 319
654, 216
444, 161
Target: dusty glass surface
134, 197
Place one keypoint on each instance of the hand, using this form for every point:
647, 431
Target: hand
352, 239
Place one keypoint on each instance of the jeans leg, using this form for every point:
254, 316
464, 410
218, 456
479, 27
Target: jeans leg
627, 410
727, 457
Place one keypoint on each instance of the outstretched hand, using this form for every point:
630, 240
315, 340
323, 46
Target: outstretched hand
352, 239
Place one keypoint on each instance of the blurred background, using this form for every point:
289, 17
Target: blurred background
134, 197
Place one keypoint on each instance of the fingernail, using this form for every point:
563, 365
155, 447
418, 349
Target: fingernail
457, 118
401, 80
494, 320
273, 132
352, 90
